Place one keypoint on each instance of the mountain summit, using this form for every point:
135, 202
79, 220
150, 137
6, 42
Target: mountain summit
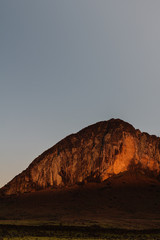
94, 154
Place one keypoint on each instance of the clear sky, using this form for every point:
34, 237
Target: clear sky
65, 64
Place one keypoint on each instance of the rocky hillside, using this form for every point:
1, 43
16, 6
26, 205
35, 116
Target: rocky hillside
94, 154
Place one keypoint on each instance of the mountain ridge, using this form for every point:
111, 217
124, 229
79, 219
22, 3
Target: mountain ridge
95, 153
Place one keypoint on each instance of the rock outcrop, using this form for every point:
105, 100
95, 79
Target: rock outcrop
94, 154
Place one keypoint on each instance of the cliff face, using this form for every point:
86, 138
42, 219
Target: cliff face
94, 154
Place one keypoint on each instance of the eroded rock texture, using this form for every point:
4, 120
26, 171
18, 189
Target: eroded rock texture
93, 154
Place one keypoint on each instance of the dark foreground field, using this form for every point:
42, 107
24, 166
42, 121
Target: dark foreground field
125, 207
74, 232
123, 202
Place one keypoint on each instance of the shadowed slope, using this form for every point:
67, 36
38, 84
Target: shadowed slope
124, 200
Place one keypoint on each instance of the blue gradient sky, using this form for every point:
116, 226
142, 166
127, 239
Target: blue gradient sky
65, 64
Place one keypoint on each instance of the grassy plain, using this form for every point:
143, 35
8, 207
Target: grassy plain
17, 232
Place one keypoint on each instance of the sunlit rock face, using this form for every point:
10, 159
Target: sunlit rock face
93, 154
